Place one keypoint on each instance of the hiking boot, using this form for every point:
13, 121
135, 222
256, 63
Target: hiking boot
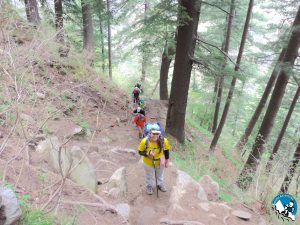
162, 188
149, 190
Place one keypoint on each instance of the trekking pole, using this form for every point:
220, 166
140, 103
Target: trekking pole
155, 177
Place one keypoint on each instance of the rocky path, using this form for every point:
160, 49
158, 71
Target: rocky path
110, 147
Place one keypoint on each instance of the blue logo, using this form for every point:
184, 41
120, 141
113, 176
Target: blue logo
285, 206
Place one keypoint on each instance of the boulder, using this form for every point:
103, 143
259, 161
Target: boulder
185, 182
123, 209
205, 206
117, 184
9, 202
242, 214
75, 163
210, 187
82, 170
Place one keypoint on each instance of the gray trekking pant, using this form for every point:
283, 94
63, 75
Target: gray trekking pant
149, 171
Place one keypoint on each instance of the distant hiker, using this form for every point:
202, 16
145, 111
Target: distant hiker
136, 93
139, 110
142, 103
139, 121
154, 149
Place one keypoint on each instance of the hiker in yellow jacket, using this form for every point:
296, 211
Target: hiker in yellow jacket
154, 148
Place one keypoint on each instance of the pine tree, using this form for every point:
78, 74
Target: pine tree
246, 176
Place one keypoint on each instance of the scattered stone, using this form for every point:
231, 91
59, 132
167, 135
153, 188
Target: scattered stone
117, 184
242, 214
123, 120
40, 95
124, 150
36, 139
27, 118
210, 187
123, 209
12, 209
205, 206
213, 215
180, 222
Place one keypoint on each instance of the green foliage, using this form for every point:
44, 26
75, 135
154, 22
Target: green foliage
37, 217
82, 122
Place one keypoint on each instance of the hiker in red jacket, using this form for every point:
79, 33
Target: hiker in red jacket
140, 120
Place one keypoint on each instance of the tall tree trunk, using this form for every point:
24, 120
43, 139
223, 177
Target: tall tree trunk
32, 12
282, 131
59, 22
182, 71
168, 53
109, 40
233, 81
245, 178
240, 145
216, 87
291, 171
144, 51
236, 117
221, 79
87, 26
102, 44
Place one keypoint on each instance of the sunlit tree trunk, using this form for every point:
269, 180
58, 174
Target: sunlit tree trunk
32, 12
109, 39
283, 129
233, 81
87, 26
59, 22
291, 170
240, 145
220, 81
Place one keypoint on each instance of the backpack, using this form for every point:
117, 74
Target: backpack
136, 90
147, 127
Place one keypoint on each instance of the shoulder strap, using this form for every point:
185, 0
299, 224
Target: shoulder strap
146, 144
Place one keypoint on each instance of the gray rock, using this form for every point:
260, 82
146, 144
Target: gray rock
202, 196
124, 150
210, 187
205, 206
83, 171
117, 184
242, 214
40, 95
75, 164
123, 209
12, 209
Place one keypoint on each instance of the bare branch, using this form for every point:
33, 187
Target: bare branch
224, 53
213, 5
